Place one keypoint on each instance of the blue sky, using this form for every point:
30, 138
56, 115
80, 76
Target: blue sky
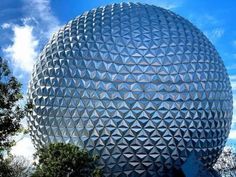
26, 26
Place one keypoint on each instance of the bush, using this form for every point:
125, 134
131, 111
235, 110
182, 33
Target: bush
226, 164
65, 160
15, 166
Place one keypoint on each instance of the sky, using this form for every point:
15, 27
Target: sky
27, 25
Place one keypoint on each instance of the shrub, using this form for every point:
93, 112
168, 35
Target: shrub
65, 160
15, 166
226, 164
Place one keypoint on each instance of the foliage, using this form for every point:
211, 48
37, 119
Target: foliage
65, 160
10, 111
15, 166
226, 164
11, 114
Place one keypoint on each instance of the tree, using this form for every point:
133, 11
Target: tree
65, 160
10, 111
15, 166
226, 163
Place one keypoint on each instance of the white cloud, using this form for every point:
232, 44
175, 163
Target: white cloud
204, 21
211, 19
232, 77
218, 32
25, 148
29, 37
233, 83
23, 50
215, 34
234, 100
211, 26
5, 25
42, 12
232, 66
232, 134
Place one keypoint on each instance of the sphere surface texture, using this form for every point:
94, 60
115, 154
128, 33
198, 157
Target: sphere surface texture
136, 84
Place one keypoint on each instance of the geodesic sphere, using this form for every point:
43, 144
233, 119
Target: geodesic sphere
136, 84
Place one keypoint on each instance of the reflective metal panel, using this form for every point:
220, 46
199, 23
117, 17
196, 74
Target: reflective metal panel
138, 85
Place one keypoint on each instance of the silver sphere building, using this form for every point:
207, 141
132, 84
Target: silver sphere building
136, 84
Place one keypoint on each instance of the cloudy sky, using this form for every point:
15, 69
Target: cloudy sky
27, 25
